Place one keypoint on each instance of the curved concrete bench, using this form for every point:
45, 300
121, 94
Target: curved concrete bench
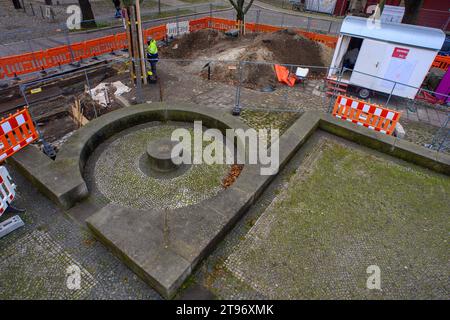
62, 180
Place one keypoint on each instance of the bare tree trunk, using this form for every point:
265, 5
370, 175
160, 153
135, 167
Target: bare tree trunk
241, 10
88, 20
17, 4
412, 10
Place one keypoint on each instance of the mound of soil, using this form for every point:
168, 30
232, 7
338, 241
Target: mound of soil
191, 44
284, 46
291, 48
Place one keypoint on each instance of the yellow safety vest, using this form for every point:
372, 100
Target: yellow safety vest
152, 47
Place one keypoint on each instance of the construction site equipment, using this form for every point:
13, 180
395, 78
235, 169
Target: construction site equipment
7, 189
441, 62
284, 76
334, 88
16, 132
9, 225
392, 58
302, 74
365, 114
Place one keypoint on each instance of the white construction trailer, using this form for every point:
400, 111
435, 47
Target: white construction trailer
399, 52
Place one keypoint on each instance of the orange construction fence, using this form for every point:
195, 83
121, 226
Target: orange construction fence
12, 66
16, 132
366, 114
441, 62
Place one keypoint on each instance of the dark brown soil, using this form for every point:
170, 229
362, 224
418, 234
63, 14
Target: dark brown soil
284, 47
291, 48
191, 44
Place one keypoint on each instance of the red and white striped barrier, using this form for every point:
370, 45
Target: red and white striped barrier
366, 114
16, 132
7, 189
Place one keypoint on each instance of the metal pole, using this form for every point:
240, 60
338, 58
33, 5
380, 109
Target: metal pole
72, 56
176, 17
90, 93
257, 20
390, 94
237, 106
210, 14
282, 19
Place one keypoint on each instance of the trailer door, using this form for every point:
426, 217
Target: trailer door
369, 62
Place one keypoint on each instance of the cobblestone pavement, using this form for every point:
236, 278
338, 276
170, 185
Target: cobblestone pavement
34, 259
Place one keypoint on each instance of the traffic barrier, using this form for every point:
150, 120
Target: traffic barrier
441, 62
198, 24
222, 24
58, 56
283, 75
7, 189
365, 114
157, 33
16, 132
13, 66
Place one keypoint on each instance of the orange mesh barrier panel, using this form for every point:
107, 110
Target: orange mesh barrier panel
222, 24
36, 61
55, 57
365, 114
16, 132
158, 33
441, 62
199, 24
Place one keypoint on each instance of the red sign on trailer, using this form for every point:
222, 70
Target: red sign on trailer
400, 53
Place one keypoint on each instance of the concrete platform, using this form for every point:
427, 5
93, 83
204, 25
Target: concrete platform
164, 246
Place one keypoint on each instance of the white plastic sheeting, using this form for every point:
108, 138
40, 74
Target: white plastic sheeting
100, 92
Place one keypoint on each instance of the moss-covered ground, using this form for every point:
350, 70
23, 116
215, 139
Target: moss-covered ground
342, 211
119, 178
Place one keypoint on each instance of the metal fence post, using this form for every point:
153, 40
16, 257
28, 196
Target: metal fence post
176, 20
390, 94
210, 14
90, 92
237, 105
282, 19
257, 20
72, 56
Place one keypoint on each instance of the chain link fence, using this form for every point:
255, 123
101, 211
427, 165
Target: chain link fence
250, 86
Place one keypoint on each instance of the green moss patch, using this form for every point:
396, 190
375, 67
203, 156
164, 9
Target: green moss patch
343, 211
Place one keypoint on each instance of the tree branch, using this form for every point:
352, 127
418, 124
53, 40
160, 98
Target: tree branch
233, 4
248, 6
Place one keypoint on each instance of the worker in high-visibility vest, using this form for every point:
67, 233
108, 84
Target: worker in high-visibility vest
152, 56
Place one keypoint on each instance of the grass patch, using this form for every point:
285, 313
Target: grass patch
343, 211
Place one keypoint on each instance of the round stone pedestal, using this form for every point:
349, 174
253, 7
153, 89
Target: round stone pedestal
159, 153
